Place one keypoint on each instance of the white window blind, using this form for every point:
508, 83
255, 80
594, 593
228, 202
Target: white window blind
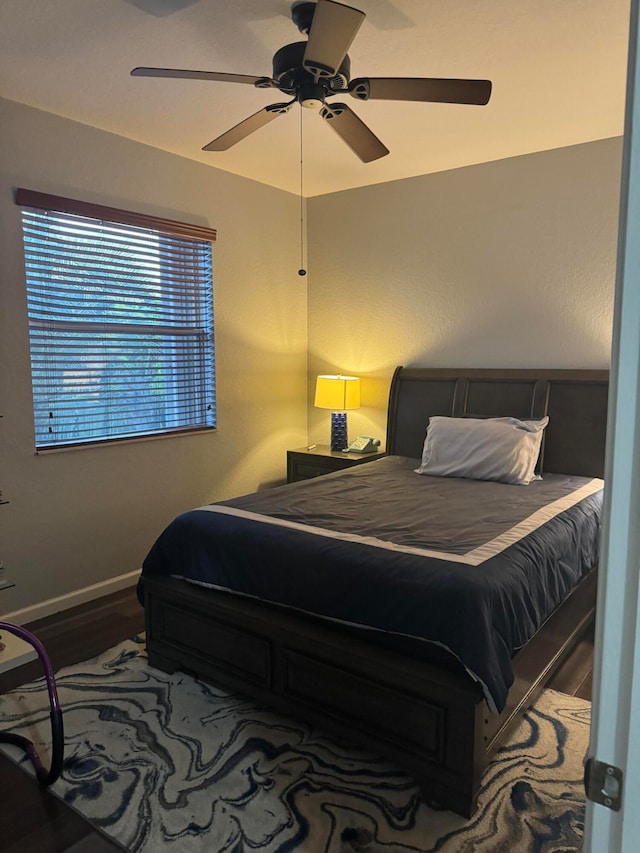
120, 323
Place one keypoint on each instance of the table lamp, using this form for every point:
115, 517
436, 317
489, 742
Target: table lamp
338, 393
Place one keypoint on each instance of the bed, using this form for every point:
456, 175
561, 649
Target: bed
425, 645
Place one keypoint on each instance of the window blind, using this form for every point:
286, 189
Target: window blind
120, 327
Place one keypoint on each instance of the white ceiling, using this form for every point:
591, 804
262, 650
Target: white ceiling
558, 69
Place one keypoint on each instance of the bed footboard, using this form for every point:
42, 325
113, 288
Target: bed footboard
430, 721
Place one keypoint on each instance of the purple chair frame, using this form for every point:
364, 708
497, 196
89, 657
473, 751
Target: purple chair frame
44, 776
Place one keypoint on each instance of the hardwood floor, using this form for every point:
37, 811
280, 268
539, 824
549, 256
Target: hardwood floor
32, 820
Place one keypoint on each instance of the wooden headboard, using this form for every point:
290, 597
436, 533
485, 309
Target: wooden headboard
574, 400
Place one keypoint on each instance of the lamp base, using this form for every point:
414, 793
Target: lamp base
338, 430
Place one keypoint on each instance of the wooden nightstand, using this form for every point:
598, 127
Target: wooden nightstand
303, 464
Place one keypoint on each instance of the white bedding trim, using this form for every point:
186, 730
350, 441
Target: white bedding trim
472, 558
535, 520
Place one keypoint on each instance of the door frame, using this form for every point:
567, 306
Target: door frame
616, 687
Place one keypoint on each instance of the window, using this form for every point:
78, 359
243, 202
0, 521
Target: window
120, 322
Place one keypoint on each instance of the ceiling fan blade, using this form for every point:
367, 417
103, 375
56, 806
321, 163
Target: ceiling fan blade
179, 73
352, 130
429, 89
333, 28
249, 125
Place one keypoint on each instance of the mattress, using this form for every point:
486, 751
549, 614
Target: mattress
475, 567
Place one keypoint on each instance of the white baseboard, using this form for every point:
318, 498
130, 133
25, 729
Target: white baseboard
71, 599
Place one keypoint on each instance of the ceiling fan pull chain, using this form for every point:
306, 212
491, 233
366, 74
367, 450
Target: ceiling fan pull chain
302, 270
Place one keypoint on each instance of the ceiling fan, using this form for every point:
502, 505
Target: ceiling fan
311, 71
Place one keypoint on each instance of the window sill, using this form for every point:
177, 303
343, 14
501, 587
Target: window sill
89, 445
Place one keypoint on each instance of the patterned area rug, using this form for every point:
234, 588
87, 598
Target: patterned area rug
165, 762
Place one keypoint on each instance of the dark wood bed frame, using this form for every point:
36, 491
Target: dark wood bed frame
399, 700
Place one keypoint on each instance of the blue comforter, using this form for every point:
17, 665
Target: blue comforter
473, 566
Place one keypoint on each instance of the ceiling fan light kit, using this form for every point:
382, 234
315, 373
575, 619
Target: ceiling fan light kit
311, 71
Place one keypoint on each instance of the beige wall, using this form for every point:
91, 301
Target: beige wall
505, 264
82, 517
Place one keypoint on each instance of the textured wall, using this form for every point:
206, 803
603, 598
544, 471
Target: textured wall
504, 264
81, 517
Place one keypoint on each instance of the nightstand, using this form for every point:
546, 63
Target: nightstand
303, 464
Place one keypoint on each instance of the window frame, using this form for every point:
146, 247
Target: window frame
38, 201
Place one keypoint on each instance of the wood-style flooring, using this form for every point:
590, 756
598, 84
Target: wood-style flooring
32, 820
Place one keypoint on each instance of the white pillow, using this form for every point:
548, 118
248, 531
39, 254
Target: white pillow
503, 449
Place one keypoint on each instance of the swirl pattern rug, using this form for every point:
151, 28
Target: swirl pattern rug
167, 763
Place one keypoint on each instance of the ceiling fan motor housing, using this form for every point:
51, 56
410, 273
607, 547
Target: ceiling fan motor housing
290, 74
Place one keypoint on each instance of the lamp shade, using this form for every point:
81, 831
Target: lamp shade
338, 393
